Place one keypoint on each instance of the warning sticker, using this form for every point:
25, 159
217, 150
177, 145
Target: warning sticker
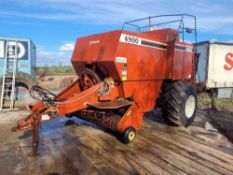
121, 60
124, 72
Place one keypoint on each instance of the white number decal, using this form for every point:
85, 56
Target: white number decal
131, 39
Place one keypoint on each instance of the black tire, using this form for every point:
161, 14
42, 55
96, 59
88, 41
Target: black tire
24, 79
129, 135
179, 103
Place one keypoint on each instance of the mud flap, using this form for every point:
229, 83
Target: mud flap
132, 118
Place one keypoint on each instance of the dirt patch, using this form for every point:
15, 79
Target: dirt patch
223, 121
56, 82
73, 146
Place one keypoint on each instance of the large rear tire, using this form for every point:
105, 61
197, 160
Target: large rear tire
179, 103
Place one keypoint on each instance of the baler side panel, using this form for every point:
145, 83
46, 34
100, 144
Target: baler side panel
96, 49
100, 47
179, 61
145, 71
143, 64
182, 65
144, 93
163, 35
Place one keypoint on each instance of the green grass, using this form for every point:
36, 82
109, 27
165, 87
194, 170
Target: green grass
204, 102
54, 70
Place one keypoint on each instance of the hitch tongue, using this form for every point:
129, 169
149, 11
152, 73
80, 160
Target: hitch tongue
22, 124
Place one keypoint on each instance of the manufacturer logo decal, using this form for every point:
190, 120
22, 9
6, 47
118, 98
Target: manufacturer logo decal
94, 42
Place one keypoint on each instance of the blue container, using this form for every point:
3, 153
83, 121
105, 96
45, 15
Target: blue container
26, 55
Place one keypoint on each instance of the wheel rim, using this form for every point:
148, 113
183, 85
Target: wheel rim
131, 136
190, 106
88, 78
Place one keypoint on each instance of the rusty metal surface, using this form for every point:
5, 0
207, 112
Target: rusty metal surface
72, 146
101, 118
35, 138
114, 104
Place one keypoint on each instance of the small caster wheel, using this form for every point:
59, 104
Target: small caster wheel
129, 135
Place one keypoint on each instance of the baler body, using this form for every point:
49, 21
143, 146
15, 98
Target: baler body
139, 62
120, 75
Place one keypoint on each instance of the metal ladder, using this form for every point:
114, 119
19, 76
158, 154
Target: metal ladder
9, 74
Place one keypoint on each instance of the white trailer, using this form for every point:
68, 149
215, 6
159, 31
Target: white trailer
215, 67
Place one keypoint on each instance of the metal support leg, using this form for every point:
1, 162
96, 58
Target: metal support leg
214, 94
35, 139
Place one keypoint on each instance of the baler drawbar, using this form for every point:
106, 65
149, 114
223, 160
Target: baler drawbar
91, 104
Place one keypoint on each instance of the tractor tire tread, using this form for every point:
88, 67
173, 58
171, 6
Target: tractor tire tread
174, 95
